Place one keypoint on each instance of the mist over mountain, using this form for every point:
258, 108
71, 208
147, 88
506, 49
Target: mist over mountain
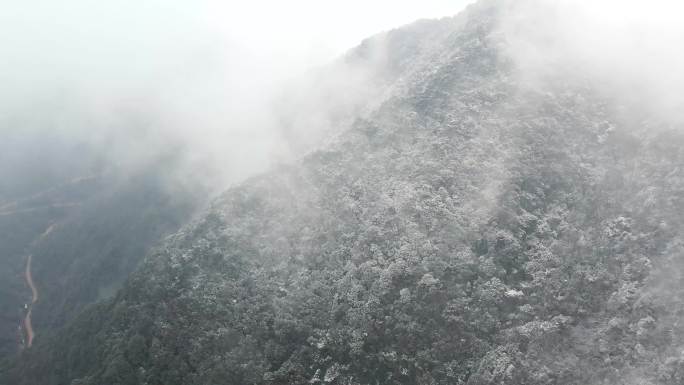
490, 198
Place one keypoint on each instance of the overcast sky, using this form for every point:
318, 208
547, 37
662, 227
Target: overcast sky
138, 38
319, 30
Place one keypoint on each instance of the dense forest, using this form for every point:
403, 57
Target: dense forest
472, 228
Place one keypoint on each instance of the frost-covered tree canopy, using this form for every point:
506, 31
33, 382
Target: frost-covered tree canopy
470, 229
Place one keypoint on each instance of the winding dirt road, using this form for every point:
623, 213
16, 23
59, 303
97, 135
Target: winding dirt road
28, 327
34, 298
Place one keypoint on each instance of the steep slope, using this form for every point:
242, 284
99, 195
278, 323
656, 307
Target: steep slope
471, 229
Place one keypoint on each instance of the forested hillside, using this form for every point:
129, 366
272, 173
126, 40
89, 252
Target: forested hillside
84, 224
471, 229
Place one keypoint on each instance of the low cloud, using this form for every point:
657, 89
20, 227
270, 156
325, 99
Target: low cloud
130, 82
629, 48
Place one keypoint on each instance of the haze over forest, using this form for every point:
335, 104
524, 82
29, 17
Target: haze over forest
450, 192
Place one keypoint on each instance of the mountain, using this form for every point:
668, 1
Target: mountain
471, 228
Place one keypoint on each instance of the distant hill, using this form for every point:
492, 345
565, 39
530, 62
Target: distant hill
101, 223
